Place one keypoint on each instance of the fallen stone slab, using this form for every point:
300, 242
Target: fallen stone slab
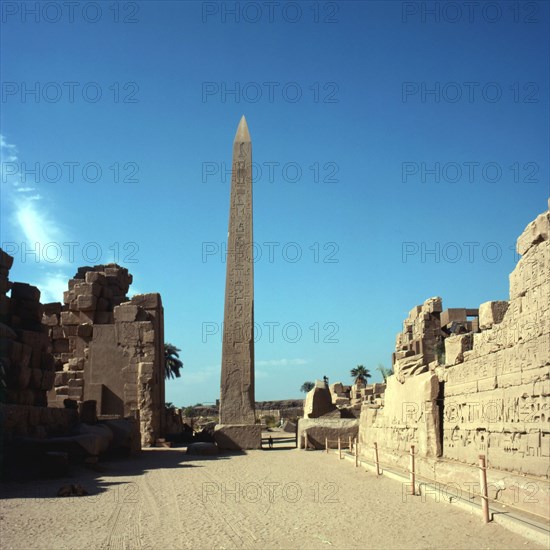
203, 449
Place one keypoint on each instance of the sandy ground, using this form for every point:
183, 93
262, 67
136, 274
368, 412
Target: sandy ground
283, 498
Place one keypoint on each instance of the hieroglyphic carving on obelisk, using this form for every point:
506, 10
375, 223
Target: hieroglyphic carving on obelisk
237, 380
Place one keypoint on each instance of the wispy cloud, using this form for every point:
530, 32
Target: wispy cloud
33, 227
36, 225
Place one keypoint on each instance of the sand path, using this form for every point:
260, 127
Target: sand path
285, 499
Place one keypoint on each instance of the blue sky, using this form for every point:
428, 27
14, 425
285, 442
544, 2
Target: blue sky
398, 153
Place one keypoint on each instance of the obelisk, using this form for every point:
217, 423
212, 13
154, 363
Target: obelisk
238, 428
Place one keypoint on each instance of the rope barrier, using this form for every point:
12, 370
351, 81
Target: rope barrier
411, 472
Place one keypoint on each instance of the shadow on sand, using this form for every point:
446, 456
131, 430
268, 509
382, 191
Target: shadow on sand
26, 482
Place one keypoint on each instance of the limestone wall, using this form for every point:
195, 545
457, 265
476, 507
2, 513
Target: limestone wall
492, 394
410, 416
497, 392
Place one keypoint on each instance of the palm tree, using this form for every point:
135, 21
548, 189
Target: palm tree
307, 386
361, 374
172, 362
384, 371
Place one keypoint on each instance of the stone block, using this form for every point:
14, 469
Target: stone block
147, 301
75, 392
86, 316
433, 305
50, 320
86, 302
68, 296
492, 313
61, 379
85, 330
450, 315
455, 346
203, 449
6, 261
87, 289
53, 308
238, 436
77, 363
537, 231
24, 291
149, 337
69, 318
318, 402
317, 429
128, 313
95, 277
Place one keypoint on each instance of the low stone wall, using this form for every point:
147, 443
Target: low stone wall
318, 429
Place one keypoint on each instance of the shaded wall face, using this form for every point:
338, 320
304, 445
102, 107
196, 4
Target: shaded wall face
28, 367
103, 380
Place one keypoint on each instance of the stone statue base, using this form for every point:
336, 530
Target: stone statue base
237, 437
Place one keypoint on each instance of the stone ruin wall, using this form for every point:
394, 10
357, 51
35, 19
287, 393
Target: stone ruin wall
492, 394
109, 349
24, 351
497, 386
27, 366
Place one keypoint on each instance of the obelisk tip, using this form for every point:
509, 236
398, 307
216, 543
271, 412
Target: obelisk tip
242, 131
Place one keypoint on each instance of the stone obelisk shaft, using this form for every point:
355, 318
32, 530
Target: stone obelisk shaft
237, 380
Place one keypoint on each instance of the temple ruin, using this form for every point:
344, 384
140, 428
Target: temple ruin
471, 381
109, 348
99, 352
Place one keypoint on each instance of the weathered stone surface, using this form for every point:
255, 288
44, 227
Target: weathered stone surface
112, 348
455, 346
536, 232
237, 378
238, 436
492, 313
416, 345
318, 401
410, 416
147, 301
128, 313
318, 429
